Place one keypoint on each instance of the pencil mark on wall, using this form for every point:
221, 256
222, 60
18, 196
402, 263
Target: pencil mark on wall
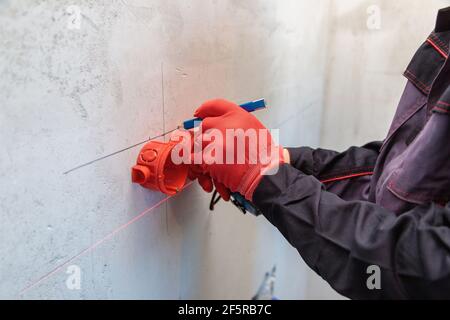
90, 22
164, 129
79, 107
296, 114
119, 151
163, 98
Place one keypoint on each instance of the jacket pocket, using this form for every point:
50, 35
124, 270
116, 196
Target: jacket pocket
423, 174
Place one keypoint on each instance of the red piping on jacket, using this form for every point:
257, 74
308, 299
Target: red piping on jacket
369, 173
437, 48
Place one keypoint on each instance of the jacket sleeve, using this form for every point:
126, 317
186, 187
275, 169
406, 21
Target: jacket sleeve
346, 174
325, 164
340, 239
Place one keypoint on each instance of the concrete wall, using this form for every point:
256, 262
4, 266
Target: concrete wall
365, 66
364, 79
77, 87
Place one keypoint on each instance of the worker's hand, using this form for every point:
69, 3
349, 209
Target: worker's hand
207, 183
244, 145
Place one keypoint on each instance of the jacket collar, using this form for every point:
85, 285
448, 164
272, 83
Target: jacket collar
443, 20
431, 56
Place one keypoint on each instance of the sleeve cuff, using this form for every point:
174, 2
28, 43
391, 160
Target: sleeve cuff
302, 159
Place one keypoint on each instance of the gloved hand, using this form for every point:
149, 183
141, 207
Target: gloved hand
196, 172
256, 159
205, 181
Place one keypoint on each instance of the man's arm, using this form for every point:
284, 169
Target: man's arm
346, 174
324, 164
340, 239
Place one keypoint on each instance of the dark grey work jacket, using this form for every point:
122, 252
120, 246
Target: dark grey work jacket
384, 204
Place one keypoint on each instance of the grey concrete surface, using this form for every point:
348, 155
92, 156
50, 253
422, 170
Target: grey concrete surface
81, 79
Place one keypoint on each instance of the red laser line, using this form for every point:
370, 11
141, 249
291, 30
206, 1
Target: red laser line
96, 244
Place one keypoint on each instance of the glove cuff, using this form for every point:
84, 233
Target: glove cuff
253, 177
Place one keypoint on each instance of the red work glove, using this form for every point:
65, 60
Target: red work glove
205, 181
196, 173
256, 159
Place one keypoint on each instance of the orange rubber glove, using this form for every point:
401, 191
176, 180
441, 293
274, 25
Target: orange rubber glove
196, 173
207, 184
258, 157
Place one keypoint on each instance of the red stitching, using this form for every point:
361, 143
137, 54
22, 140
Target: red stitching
439, 41
441, 109
348, 177
419, 83
418, 80
443, 103
415, 196
339, 173
435, 46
